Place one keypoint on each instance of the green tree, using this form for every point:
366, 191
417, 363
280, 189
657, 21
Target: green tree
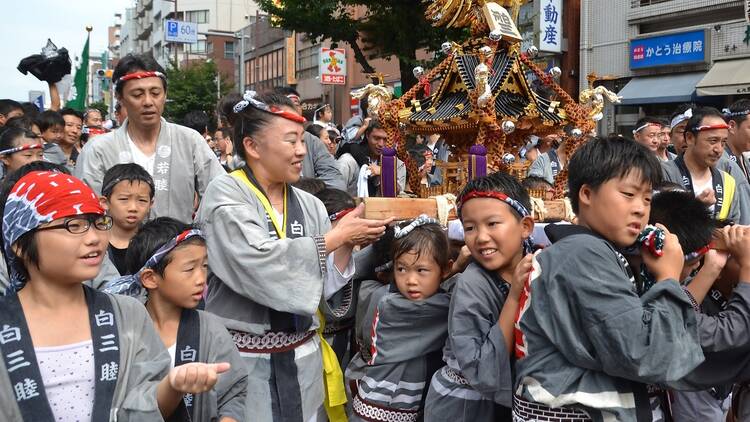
389, 28
193, 87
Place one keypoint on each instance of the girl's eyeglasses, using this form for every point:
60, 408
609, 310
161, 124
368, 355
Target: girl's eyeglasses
81, 224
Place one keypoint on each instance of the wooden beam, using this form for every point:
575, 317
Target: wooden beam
408, 208
402, 208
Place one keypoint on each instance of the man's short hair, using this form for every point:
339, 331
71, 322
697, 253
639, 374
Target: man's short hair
286, 91
374, 124
699, 115
67, 111
197, 120
645, 121
738, 111
602, 159
134, 63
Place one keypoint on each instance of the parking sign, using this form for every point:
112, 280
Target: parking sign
180, 32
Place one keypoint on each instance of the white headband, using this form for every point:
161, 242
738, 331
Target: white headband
681, 118
645, 126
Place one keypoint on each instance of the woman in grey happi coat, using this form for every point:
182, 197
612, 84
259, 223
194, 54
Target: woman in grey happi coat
270, 256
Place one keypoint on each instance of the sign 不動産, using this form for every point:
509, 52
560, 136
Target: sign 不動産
669, 50
549, 26
180, 32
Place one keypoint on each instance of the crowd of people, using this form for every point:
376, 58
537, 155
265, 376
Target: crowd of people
162, 271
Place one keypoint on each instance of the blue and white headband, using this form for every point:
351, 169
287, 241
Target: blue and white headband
686, 115
729, 113
423, 219
130, 285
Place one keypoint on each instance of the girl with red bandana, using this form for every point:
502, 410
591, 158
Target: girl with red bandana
67, 351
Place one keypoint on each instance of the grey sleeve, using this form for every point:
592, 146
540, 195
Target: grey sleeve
147, 362
231, 388
349, 133
4, 277
89, 168
205, 164
540, 168
477, 341
364, 262
598, 321
670, 172
107, 273
364, 295
740, 211
401, 175
729, 329
325, 166
398, 322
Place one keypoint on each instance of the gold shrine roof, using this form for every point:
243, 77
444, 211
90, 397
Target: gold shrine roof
449, 107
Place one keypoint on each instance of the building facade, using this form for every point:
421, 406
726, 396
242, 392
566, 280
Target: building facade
658, 54
143, 30
274, 57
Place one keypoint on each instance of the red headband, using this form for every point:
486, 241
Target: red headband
337, 216
249, 99
711, 127
287, 114
140, 75
517, 206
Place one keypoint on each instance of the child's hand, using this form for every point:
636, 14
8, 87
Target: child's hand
737, 240
463, 259
374, 169
520, 275
715, 260
669, 265
708, 197
196, 377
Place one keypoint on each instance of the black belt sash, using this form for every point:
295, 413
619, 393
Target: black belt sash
186, 351
23, 369
286, 395
554, 162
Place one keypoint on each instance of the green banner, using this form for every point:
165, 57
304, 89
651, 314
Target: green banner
80, 81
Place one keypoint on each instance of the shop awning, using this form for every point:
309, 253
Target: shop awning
728, 77
675, 88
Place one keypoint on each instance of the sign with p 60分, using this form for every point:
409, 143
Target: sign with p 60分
180, 32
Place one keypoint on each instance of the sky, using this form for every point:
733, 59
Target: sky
28, 23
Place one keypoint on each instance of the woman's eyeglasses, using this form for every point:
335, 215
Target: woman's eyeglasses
81, 224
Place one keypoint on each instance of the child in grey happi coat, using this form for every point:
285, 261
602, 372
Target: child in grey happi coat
404, 328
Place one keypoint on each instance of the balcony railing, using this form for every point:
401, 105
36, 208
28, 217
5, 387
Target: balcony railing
641, 3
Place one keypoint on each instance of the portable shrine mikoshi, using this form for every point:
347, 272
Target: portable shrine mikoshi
480, 100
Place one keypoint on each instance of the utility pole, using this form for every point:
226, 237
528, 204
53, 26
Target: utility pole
242, 61
175, 44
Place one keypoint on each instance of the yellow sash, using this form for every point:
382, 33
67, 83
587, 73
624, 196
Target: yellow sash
280, 229
333, 377
729, 188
